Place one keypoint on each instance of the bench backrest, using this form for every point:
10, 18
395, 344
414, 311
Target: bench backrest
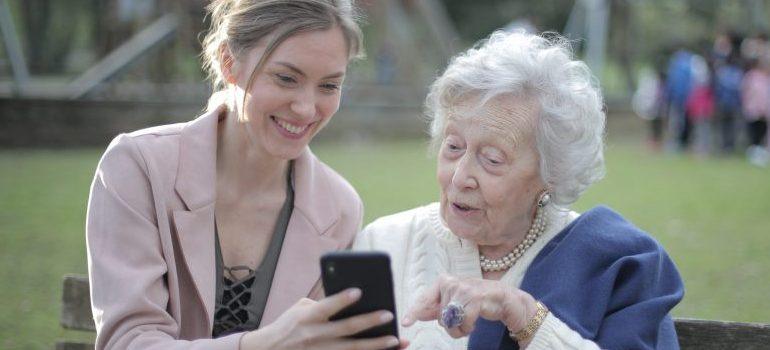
693, 334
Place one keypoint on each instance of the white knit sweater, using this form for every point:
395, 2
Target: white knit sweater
422, 248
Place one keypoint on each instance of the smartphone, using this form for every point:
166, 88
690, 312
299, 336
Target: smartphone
368, 271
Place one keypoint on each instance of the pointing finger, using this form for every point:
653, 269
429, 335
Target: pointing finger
426, 307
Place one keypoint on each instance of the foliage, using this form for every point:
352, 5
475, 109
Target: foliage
477, 19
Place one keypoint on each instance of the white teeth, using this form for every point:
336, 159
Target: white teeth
290, 128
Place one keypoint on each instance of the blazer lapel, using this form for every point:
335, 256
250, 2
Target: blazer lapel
196, 185
195, 231
315, 212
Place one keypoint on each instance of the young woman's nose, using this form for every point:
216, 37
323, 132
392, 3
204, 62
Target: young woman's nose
304, 104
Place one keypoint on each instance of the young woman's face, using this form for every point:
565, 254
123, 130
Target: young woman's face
295, 93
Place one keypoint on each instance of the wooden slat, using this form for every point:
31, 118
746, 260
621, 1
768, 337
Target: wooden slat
64, 345
711, 335
76, 304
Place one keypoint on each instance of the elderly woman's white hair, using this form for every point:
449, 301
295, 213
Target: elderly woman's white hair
570, 127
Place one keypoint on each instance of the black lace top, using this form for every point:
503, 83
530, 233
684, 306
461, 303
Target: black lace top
241, 302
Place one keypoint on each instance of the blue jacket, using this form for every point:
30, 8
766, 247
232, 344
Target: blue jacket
607, 280
679, 78
727, 87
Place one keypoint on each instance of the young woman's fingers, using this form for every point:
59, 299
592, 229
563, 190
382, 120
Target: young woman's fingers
355, 324
385, 342
330, 305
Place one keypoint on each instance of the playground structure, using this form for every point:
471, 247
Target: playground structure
100, 102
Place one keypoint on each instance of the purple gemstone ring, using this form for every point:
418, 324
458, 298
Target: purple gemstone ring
452, 315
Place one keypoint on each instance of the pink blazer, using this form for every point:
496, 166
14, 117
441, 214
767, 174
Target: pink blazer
150, 237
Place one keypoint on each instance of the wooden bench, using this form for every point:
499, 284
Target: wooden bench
76, 311
693, 334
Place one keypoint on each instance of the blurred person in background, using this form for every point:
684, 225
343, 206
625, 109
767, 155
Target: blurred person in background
754, 47
501, 262
207, 234
728, 77
722, 47
649, 103
678, 88
700, 106
755, 93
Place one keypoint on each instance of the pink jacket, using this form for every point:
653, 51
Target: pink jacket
756, 95
150, 237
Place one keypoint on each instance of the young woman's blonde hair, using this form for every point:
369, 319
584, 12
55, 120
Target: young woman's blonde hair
243, 24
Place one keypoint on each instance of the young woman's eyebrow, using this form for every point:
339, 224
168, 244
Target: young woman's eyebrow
300, 72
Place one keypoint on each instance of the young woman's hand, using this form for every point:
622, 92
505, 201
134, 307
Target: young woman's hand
306, 325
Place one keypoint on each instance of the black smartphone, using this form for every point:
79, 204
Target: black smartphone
368, 271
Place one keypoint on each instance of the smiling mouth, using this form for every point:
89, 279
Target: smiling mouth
292, 129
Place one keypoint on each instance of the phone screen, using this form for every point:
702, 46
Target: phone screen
369, 271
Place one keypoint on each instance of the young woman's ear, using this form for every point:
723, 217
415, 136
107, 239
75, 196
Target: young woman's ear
227, 64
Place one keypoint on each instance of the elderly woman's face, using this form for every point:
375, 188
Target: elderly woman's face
488, 170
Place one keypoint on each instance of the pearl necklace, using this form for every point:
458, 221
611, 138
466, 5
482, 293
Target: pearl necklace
535, 231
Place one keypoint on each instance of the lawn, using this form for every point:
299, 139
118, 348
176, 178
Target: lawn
713, 216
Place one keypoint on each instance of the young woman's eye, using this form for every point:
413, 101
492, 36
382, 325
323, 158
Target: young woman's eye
330, 87
285, 79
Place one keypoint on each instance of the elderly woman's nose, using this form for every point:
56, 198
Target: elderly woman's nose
464, 173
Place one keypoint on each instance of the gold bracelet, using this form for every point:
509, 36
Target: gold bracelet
529, 330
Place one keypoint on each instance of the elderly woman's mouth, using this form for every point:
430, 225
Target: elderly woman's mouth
463, 208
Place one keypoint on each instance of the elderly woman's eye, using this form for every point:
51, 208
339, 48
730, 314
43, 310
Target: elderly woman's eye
452, 147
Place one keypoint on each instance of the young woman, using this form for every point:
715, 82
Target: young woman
207, 234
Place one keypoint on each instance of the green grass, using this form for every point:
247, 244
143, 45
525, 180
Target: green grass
713, 216
43, 198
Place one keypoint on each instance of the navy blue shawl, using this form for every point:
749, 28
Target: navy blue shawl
607, 280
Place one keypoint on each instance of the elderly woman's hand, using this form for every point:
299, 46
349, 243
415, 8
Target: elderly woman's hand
489, 299
306, 325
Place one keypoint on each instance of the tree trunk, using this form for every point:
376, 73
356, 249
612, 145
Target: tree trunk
624, 41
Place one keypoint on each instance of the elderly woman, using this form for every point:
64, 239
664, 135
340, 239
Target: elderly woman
501, 262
